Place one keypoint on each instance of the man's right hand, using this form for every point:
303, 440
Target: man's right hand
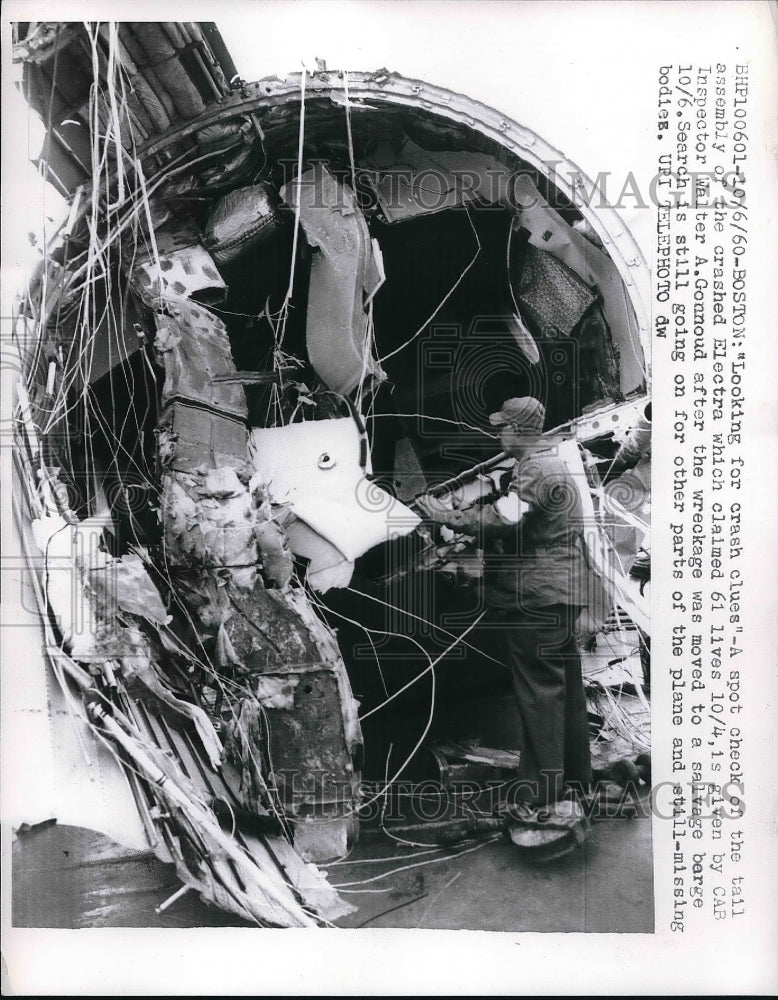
439, 510
432, 508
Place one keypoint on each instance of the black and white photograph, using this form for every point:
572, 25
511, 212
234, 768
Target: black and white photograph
345, 347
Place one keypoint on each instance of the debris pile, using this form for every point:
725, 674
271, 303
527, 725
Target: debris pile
238, 369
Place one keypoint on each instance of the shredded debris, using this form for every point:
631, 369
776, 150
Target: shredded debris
227, 405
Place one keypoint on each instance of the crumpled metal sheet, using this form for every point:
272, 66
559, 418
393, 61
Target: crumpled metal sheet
194, 347
215, 523
208, 519
345, 272
181, 268
239, 160
276, 691
129, 649
219, 536
274, 551
125, 583
241, 220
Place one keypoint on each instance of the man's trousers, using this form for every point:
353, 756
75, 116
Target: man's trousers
542, 652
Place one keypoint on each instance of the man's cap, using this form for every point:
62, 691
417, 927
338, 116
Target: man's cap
525, 412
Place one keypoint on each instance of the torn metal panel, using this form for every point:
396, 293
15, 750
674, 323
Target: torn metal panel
175, 266
607, 419
271, 536
276, 692
127, 652
549, 232
314, 742
125, 583
245, 646
212, 521
343, 276
408, 477
412, 181
223, 547
524, 339
189, 437
327, 566
96, 349
91, 632
193, 345
316, 467
230, 875
69, 548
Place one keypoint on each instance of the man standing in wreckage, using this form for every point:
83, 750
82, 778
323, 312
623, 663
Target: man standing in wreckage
535, 578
